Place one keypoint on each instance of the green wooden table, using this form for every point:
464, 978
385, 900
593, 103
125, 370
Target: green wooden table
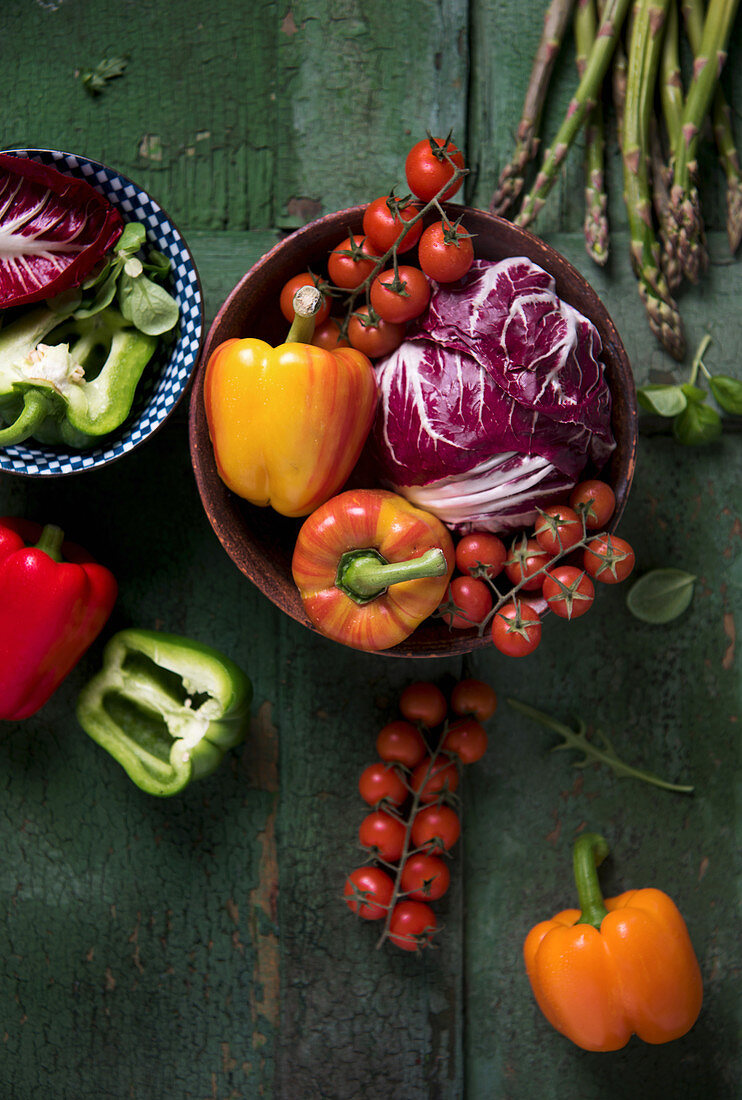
198, 947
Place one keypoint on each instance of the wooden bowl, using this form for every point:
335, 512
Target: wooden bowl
260, 541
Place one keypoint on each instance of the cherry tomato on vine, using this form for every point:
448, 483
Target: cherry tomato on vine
481, 554
558, 528
424, 877
467, 739
430, 164
368, 892
525, 563
412, 925
473, 600
608, 559
374, 337
432, 779
383, 835
327, 335
381, 782
400, 295
423, 702
445, 252
568, 591
384, 220
596, 499
290, 288
402, 743
436, 828
351, 262
474, 697
516, 629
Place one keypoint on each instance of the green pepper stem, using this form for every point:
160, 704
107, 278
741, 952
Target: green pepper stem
306, 303
364, 574
35, 410
589, 852
51, 541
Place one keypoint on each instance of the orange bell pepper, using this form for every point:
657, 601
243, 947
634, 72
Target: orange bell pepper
288, 424
614, 968
370, 567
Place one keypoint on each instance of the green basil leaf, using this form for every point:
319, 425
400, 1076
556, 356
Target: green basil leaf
727, 392
660, 595
697, 424
664, 400
147, 305
693, 393
132, 238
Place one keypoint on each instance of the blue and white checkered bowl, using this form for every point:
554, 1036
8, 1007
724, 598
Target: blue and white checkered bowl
167, 375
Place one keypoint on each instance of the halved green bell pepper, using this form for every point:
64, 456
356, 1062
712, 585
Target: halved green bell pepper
166, 708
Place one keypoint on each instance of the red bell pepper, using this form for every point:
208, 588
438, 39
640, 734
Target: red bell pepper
50, 611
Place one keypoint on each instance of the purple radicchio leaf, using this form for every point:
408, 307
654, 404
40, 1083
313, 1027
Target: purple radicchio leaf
499, 385
53, 230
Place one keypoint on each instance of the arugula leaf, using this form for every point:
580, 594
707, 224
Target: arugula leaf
578, 740
95, 81
727, 392
663, 400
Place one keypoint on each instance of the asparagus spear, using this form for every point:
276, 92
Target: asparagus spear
582, 103
693, 14
660, 174
596, 201
671, 85
618, 82
510, 183
684, 202
644, 57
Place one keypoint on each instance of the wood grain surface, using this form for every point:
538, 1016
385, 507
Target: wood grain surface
199, 948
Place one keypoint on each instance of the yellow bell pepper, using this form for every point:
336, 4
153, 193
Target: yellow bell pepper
288, 423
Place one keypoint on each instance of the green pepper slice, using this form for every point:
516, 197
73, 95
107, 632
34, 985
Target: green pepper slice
165, 707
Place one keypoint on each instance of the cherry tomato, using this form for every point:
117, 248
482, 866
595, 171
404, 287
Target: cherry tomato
474, 697
368, 892
327, 335
290, 288
432, 779
424, 877
558, 528
436, 828
608, 558
525, 563
383, 835
516, 629
374, 337
384, 220
473, 600
445, 252
596, 500
423, 702
568, 591
401, 743
382, 783
467, 738
400, 296
429, 167
351, 262
480, 554
412, 925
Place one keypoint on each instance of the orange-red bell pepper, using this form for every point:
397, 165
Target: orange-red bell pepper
614, 967
288, 423
370, 567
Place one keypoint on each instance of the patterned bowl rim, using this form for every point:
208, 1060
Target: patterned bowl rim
99, 457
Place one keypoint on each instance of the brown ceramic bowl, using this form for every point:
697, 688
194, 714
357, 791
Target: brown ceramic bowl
260, 541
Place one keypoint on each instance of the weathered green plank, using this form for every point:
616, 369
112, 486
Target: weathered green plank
670, 699
359, 84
